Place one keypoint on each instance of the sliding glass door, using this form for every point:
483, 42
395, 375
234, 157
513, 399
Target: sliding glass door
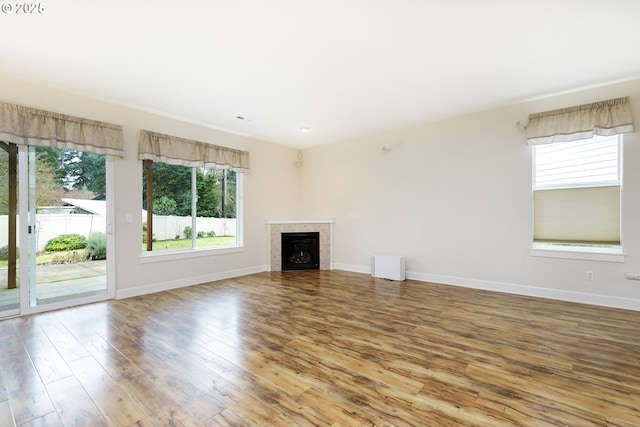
67, 240
9, 265
54, 223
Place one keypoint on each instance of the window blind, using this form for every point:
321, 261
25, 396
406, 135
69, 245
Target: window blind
592, 162
578, 215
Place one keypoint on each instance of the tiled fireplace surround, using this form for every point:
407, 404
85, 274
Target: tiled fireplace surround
277, 227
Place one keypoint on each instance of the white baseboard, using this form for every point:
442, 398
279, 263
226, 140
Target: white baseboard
181, 283
511, 288
352, 267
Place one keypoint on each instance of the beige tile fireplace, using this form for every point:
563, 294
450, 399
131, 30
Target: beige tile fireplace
275, 228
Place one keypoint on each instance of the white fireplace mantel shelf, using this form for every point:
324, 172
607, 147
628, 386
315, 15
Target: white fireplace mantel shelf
301, 221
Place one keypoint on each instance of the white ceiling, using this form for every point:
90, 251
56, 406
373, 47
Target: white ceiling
343, 68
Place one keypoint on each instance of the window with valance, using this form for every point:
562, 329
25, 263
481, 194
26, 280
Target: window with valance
191, 192
47, 131
576, 172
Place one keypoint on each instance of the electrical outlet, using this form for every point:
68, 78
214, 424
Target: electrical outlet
589, 275
632, 276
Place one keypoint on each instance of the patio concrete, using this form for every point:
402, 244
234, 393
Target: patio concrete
56, 282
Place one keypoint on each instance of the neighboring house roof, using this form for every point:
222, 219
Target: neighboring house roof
54, 209
96, 207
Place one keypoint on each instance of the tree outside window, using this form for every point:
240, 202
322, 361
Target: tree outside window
175, 207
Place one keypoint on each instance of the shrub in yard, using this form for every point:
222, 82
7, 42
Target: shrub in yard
97, 246
201, 234
144, 237
187, 232
69, 257
66, 242
211, 234
4, 253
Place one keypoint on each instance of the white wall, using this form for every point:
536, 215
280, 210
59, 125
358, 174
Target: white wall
270, 190
454, 197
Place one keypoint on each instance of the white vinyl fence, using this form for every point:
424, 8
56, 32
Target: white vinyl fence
50, 225
168, 227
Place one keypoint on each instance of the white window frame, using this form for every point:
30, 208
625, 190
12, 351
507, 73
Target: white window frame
194, 252
590, 252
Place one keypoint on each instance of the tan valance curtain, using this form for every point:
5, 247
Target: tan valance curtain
186, 152
604, 118
29, 126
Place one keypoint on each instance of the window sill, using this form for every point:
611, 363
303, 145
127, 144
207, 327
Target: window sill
150, 257
614, 254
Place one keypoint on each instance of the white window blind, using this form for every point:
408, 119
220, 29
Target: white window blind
578, 215
584, 163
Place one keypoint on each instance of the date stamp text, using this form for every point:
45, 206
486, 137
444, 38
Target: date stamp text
23, 8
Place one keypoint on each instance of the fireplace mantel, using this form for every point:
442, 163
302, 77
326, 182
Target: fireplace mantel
276, 227
301, 221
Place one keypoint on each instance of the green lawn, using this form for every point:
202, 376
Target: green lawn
44, 258
204, 242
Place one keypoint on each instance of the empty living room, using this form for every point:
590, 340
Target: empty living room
294, 213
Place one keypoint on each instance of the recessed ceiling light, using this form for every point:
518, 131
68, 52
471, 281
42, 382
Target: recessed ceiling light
304, 129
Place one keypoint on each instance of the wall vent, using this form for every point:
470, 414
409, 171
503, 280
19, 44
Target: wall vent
388, 267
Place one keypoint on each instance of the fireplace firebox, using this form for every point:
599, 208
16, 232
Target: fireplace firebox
301, 251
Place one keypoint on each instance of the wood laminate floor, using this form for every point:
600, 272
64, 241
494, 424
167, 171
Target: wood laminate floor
322, 348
